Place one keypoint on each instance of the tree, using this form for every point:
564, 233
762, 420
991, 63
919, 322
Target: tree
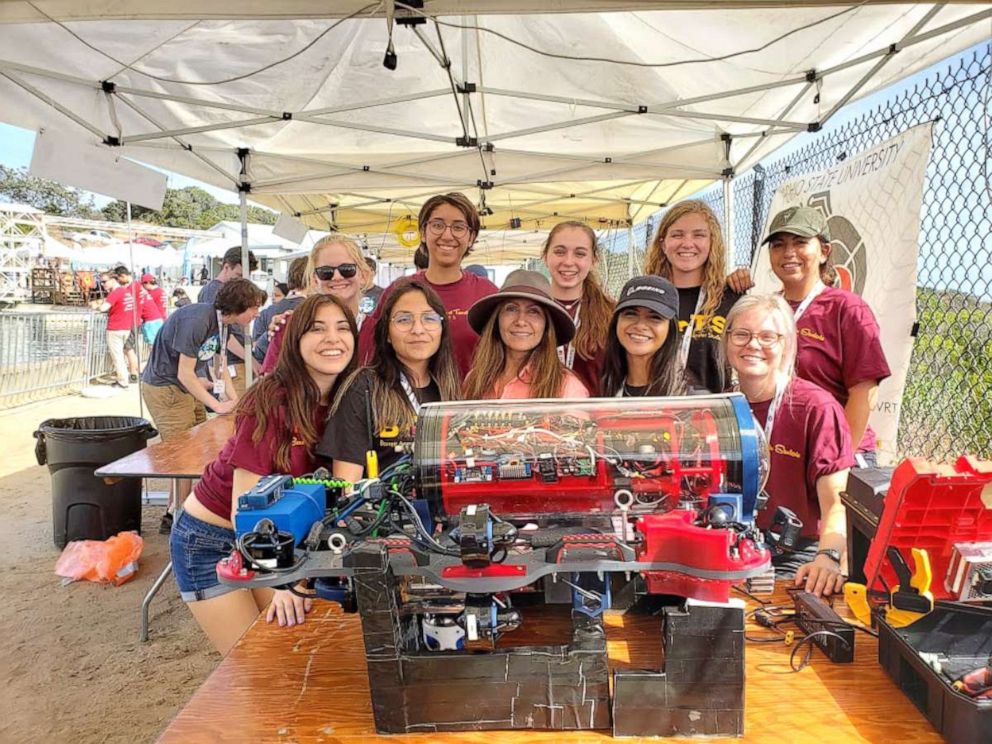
49, 196
189, 207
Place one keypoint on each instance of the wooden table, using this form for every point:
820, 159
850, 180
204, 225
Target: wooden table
309, 684
181, 458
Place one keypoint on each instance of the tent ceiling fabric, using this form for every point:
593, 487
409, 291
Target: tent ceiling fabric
336, 138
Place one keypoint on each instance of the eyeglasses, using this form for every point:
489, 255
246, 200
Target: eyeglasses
405, 321
742, 337
346, 270
437, 228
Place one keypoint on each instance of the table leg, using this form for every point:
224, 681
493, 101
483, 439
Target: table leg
150, 596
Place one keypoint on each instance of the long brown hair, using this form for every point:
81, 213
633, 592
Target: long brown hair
389, 402
596, 305
547, 373
715, 269
290, 389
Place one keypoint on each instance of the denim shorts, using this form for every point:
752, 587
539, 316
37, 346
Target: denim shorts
196, 548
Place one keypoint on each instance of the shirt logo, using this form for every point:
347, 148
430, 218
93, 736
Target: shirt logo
209, 348
366, 305
810, 333
781, 449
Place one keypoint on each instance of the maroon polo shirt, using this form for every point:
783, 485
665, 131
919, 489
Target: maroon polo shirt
840, 346
811, 439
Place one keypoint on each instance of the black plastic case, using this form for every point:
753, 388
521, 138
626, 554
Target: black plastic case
963, 635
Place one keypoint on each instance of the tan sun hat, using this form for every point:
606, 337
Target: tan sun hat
524, 285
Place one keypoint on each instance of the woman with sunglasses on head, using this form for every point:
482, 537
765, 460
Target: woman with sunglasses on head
840, 346
688, 250
413, 364
278, 424
571, 254
642, 345
449, 225
335, 267
808, 439
520, 329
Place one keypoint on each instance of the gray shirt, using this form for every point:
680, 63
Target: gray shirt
207, 296
260, 345
193, 331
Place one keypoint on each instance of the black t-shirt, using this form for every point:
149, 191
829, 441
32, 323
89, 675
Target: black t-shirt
703, 368
634, 391
349, 435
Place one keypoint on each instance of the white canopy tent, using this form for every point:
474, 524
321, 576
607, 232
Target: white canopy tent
541, 111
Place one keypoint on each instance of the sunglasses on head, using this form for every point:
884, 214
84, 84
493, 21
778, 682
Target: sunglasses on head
346, 270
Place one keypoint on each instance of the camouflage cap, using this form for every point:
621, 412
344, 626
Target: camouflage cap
807, 222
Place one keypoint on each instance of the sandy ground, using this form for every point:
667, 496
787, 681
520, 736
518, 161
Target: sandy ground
73, 666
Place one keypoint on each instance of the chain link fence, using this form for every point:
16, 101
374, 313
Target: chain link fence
947, 404
45, 354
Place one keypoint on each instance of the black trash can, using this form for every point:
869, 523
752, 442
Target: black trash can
85, 507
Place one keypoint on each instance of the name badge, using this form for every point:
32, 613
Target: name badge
218, 387
232, 371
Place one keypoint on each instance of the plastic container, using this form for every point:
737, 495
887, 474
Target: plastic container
960, 636
85, 507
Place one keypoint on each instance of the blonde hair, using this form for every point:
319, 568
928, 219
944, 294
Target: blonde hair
597, 306
769, 305
354, 253
489, 361
715, 269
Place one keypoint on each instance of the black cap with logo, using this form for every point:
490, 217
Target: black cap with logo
653, 292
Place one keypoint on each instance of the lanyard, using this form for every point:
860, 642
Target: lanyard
687, 336
808, 300
220, 361
780, 386
566, 354
410, 396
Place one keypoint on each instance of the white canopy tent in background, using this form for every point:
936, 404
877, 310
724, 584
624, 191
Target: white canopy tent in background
540, 111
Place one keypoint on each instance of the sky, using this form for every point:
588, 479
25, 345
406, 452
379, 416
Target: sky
16, 144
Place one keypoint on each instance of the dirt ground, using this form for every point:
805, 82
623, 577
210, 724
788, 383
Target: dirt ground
73, 666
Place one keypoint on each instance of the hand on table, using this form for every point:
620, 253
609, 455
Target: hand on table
289, 608
740, 280
821, 576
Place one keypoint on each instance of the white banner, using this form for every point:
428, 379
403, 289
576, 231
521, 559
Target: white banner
872, 203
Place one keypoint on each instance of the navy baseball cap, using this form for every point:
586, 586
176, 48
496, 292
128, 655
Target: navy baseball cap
653, 292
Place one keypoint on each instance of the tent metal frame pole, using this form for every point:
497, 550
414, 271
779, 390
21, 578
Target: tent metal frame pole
377, 102
372, 128
559, 125
886, 58
55, 105
785, 112
728, 218
166, 134
189, 148
144, 93
797, 126
244, 155
134, 320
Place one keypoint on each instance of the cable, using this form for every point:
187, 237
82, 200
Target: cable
269, 66
808, 642
655, 65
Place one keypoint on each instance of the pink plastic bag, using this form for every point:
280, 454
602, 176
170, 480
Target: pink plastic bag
114, 560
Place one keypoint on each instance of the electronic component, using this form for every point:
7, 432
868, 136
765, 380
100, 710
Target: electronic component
813, 616
969, 572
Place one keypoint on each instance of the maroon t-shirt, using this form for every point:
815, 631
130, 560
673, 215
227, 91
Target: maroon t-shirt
589, 371
121, 312
811, 439
840, 346
216, 484
457, 298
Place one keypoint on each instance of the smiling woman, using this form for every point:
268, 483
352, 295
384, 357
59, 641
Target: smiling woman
277, 426
643, 342
520, 329
412, 364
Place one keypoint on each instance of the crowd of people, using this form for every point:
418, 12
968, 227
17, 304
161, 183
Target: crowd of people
338, 369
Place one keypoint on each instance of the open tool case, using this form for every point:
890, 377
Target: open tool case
960, 636
937, 509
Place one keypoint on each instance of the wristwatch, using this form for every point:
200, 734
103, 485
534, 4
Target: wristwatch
832, 554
